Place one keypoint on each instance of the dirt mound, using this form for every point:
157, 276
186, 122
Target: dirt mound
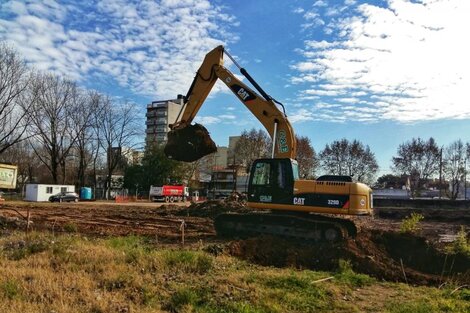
213, 208
189, 144
384, 255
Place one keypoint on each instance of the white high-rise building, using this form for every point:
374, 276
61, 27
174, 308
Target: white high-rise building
160, 114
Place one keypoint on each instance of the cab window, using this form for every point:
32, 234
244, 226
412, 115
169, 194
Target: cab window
261, 174
295, 171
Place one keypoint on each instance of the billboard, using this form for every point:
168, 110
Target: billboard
8, 176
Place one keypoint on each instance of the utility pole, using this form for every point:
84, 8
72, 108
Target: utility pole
465, 179
234, 175
440, 175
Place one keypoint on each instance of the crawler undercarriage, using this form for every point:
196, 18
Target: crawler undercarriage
305, 227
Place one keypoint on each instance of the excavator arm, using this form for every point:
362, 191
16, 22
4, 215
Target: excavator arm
188, 142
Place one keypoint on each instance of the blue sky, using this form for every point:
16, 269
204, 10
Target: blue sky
378, 71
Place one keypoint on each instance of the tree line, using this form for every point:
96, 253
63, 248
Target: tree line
50, 125
416, 162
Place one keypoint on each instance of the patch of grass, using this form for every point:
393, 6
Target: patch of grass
183, 297
411, 307
462, 294
10, 289
134, 247
70, 227
75, 274
234, 307
410, 224
345, 274
424, 299
188, 261
190, 299
22, 249
288, 282
294, 291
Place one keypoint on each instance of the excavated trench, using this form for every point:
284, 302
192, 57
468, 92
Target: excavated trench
387, 256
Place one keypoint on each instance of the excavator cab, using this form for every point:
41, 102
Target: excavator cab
272, 181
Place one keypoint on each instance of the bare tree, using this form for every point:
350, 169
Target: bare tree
253, 144
15, 97
454, 167
118, 129
306, 157
349, 158
51, 121
22, 155
84, 115
419, 160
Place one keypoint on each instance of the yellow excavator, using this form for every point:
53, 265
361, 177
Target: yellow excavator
282, 203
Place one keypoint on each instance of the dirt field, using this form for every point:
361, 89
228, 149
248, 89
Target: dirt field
379, 249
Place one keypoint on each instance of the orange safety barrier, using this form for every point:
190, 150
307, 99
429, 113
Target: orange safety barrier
121, 199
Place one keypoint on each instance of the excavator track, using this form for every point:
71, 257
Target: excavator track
304, 227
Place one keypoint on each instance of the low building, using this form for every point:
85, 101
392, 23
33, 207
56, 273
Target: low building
224, 182
42, 192
391, 193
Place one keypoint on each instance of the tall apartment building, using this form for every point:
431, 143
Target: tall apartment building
160, 114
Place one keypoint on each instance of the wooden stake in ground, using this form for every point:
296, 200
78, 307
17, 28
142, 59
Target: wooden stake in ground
182, 226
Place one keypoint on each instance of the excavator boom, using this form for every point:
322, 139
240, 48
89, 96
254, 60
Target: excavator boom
188, 142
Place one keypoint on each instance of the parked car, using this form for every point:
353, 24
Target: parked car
67, 196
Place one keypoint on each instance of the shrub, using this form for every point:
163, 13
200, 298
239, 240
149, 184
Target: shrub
410, 224
461, 244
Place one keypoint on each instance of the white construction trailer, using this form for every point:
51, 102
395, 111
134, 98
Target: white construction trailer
42, 192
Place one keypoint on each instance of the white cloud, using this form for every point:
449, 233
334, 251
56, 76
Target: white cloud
302, 115
408, 60
152, 47
207, 120
227, 117
320, 3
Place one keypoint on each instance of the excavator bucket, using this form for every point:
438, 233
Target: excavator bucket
189, 144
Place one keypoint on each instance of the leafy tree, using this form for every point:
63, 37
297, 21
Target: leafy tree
306, 157
253, 144
419, 160
391, 181
349, 158
156, 169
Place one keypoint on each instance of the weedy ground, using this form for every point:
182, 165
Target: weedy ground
72, 273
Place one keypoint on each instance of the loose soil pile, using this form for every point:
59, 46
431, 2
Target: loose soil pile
189, 144
213, 208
